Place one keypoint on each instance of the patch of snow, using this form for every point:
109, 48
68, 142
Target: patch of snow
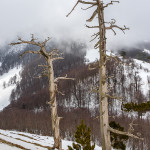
93, 55
16, 48
7, 147
146, 51
36, 110
144, 73
30, 141
5, 92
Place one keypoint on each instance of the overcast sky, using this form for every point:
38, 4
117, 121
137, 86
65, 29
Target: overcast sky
48, 18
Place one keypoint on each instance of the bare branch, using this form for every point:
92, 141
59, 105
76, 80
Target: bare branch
43, 66
92, 26
93, 16
91, 68
98, 117
26, 42
46, 40
94, 66
111, 3
73, 8
124, 133
42, 75
115, 26
56, 88
131, 128
114, 97
89, 3
32, 41
54, 53
63, 78
96, 35
97, 44
83, 2
94, 90
57, 58
111, 77
60, 93
29, 51
88, 7
112, 25
113, 57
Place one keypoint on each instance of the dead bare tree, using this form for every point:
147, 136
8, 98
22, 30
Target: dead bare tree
101, 44
49, 72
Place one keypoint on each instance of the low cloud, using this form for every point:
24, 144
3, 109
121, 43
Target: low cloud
48, 18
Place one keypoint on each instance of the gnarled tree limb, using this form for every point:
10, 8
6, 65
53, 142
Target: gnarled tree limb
111, 3
93, 16
63, 78
29, 51
124, 133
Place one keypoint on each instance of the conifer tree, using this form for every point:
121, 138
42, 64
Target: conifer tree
82, 138
117, 141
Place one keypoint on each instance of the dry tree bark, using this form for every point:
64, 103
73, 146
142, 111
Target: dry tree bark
101, 45
49, 72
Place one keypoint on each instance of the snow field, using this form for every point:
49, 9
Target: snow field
29, 141
6, 92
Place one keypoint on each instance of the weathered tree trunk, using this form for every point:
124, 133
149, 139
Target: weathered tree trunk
48, 71
54, 116
104, 118
101, 44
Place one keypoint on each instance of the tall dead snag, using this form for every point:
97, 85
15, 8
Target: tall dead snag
101, 44
49, 72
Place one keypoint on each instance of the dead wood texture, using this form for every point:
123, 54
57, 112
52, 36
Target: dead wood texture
49, 72
101, 45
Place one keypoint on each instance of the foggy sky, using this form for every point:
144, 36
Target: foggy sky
48, 18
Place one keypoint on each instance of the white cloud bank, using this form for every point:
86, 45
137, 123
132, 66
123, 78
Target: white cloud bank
48, 18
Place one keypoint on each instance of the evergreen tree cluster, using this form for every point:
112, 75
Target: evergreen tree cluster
143, 107
82, 138
117, 141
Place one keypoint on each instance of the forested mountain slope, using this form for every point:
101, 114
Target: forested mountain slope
28, 109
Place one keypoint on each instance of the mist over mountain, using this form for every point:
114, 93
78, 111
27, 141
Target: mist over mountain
29, 96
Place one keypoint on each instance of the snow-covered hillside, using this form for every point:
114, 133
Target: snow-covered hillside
6, 87
143, 68
13, 140
146, 51
144, 72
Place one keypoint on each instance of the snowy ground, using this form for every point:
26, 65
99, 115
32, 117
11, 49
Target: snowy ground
13, 140
5, 92
143, 70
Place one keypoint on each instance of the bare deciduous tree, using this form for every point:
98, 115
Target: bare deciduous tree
49, 72
101, 44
